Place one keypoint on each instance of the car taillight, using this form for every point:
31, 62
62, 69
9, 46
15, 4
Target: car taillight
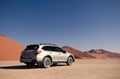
37, 52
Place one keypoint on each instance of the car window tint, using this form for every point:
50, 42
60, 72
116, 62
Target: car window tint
32, 47
47, 48
57, 49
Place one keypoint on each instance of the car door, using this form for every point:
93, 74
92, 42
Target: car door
60, 54
51, 51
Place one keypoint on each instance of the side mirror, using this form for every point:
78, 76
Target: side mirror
64, 51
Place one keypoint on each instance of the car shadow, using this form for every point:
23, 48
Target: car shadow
25, 67
17, 67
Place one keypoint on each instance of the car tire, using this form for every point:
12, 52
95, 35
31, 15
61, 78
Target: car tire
69, 60
46, 62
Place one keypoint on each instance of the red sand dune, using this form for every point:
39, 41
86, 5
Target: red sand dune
9, 49
100, 53
78, 54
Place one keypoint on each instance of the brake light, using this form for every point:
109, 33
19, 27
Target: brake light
37, 52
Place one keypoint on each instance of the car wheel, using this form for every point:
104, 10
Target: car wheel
46, 62
69, 61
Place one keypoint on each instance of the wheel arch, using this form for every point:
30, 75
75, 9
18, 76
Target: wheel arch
72, 57
48, 56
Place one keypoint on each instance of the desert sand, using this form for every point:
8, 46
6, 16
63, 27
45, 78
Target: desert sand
81, 69
9, 49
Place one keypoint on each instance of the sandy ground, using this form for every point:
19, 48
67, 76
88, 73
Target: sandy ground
81, 69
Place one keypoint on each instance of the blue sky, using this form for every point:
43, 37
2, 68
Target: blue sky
82, 24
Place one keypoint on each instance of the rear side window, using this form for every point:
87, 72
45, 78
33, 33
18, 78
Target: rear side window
32, 47
47, 48
51, 48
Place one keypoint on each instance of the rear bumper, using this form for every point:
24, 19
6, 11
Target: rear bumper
28, 60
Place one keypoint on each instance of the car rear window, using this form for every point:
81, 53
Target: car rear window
32, 47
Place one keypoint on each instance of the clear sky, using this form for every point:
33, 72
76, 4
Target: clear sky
82, 24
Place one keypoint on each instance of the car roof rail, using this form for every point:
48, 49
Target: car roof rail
48, 44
